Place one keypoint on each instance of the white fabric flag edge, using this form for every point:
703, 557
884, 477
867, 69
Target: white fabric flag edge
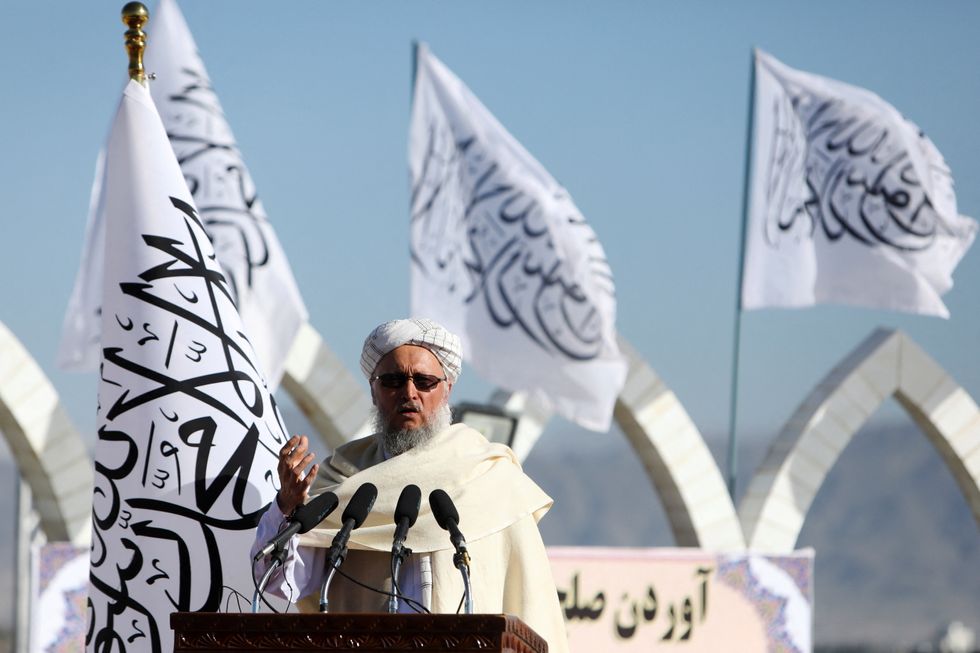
918, 290
137, 121
591, 408
272, 328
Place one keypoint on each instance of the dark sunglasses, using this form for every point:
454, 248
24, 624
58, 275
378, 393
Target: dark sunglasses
395, 380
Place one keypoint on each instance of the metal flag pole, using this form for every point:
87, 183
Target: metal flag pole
135, 15
732, 455
415, 70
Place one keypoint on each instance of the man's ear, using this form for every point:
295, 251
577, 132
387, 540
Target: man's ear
373, 400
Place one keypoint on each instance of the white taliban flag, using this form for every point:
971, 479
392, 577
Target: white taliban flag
502, 257
187, 429
849, 202
259, 276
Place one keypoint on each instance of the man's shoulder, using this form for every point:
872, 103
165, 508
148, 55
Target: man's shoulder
354, 456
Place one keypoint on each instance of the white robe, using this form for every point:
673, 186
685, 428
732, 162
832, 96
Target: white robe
499, 507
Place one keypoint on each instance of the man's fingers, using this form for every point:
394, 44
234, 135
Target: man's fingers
299, 451
300, 460
295, 480
310, 477
298, 471
294, 456
288, 446
295, 444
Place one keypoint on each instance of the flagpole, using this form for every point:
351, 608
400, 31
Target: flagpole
415, 70
134, 16
733, 407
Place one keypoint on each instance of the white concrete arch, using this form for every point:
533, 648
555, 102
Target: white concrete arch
331, 398
50, 454
677, 460
886, 364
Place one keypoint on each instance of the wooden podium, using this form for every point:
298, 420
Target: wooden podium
210, 632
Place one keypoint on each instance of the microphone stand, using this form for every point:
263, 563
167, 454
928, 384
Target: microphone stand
462, 561
355, 514
445, 513
278, 560
324, 607
398, 556
338, 551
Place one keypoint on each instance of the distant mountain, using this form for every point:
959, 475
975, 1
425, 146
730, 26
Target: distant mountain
897, 549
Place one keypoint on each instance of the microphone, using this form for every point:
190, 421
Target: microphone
448, 519
406, 512
354, 515
304, 518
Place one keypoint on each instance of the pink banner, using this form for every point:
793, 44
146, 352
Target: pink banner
615, 599
618, 599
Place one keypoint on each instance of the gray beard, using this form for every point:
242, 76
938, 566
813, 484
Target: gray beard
401, 440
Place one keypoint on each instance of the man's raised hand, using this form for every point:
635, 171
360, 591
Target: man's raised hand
294, 479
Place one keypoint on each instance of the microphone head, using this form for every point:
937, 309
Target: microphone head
360, 504
408, 504
443, 509
316, 510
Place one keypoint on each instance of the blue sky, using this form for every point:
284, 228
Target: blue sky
638, 108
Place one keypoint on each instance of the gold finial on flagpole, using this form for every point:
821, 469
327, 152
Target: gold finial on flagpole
134, 16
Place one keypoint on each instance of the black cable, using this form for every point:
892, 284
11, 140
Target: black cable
235, 594
394, 581
397, 591
255, 584
412, 603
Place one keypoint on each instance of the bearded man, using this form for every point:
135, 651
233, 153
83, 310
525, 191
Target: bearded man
411, 366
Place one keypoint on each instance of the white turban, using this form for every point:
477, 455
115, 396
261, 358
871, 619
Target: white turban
414, 331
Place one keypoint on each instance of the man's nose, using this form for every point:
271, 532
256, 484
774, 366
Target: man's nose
409, 390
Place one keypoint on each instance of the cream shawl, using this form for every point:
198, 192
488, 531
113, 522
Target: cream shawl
498, 505
484, 480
